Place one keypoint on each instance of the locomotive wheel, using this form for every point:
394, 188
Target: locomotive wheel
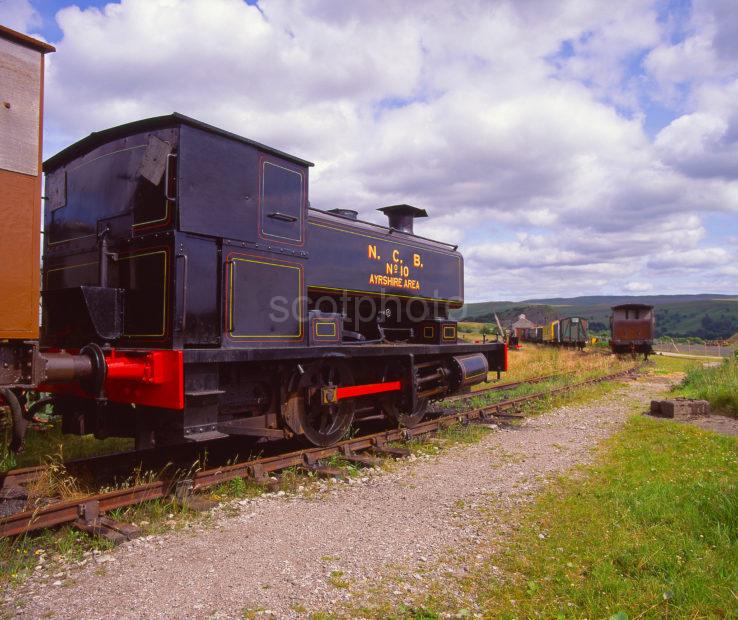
325, 424
18, 420
403, 418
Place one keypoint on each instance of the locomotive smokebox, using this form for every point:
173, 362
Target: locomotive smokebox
401, 217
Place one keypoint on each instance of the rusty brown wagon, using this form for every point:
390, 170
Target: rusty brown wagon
632, 328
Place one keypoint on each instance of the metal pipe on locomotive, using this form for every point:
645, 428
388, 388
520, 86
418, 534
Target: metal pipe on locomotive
189, 293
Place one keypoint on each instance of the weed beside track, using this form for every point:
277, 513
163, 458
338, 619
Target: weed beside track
716, 384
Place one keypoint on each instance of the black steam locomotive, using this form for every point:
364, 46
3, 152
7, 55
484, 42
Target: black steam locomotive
192, 293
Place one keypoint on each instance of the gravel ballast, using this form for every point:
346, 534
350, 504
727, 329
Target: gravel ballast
287, 555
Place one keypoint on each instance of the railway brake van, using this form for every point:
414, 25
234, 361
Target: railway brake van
632, 328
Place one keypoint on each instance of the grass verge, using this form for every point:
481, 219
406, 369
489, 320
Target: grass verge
649, 531
716, 384
538, 360
664, 365
49, 440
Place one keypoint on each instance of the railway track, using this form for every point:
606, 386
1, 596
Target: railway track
119, 465
124, 462
87, 513
510, 385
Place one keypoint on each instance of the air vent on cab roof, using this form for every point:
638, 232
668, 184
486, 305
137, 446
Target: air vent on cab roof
401, 216
349, 214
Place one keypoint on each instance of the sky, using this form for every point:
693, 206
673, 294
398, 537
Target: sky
578, 147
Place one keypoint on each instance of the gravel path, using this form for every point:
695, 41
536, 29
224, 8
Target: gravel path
722, 424
284, 555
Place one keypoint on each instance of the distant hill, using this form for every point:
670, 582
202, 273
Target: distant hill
705, 316
508, 313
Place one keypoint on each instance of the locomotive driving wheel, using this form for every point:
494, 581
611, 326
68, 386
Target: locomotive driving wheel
408, 419
324, 424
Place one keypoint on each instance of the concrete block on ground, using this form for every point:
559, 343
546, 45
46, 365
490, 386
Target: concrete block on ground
658, 412
679, 408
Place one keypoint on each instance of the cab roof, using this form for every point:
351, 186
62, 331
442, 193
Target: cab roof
98, 138
24, 39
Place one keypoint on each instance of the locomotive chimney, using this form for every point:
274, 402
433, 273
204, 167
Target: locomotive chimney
401, 216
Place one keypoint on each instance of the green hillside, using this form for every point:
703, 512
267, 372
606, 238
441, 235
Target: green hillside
508, 313
703, 316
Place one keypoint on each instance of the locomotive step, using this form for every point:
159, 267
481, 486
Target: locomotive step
203, 393
205, 436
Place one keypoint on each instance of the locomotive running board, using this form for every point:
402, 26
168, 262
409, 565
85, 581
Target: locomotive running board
251, 427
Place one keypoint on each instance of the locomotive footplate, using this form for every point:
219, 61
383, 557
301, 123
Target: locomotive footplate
494, 351
317, 392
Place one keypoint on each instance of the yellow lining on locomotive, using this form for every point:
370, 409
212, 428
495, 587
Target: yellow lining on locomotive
332, 324
81, 165
394, 242
446, 329
166, 269
232, 291
381, 294
48, 271
166, 273
50, 243
476, 374
161, 219
429, 331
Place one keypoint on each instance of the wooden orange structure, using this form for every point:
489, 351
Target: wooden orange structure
21, 130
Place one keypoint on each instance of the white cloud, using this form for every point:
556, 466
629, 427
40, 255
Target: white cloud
704, 143
19, 15
638, 287
623, 31
691, 259
686, 60
699, 74
498, 117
